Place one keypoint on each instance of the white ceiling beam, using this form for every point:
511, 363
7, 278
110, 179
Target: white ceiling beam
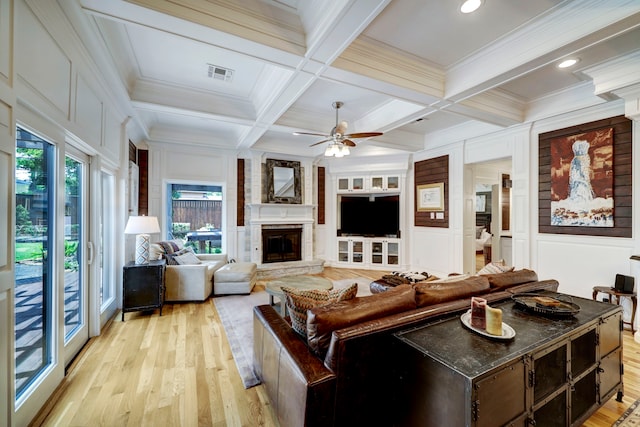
129, 13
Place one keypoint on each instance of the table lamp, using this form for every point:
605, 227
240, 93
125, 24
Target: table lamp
142, 226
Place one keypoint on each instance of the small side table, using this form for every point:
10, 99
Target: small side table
143, 286
618, 295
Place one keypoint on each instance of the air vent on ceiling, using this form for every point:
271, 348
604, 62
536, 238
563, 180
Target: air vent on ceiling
219, 73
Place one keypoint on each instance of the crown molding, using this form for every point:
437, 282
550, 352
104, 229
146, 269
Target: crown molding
616, 74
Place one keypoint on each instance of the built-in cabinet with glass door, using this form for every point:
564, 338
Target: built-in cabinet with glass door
351, 251
368, 252
385, 252
357, 249
351, 184
369, 184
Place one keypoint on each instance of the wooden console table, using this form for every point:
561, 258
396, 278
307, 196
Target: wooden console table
613, 293
554, 372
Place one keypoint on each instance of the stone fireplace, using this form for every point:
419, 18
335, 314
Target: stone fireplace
280, 233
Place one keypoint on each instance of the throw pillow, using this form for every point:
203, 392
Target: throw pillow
171, 257
299, 301
187, 258
495, 268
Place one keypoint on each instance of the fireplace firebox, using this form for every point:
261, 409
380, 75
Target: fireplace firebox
281, 244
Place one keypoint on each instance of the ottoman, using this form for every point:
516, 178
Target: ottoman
235, 278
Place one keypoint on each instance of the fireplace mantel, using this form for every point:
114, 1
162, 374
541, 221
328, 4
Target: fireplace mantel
264, 214
280, 213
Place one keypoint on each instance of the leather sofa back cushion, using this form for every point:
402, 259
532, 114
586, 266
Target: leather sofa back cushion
322, 321
430, 293
502, 281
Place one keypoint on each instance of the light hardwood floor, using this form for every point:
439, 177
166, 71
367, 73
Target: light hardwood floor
177, 370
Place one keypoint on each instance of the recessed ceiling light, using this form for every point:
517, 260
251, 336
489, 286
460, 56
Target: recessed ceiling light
568, 63
470, 6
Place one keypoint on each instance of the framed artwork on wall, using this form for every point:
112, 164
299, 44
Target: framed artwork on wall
582, 179
585, 179
430, 197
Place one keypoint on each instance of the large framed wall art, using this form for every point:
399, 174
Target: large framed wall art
585, 180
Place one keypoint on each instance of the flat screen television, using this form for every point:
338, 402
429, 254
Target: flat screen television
370, 216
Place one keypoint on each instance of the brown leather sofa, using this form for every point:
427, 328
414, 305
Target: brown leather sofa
346, 373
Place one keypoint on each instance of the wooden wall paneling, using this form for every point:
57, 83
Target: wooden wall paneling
505, 203
143, 183
432, 171
240, 194
133, 155
622, 177
321, 195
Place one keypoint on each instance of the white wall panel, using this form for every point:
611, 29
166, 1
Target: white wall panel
88, 113
40, 63
6, 41
430, 250
111, 139
579, 264
195, 166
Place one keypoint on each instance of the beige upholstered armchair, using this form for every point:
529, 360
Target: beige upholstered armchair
187, 278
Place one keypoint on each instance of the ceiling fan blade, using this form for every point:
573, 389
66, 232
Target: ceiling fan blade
348, 142
310, 133
363, 135
320, 142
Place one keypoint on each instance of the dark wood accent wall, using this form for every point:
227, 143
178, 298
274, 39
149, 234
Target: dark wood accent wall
431, 171
622, 179
240, 194
505, 203
321, 194
143, 182
133, 153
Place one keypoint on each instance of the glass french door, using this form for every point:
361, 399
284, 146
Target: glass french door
74, 264
106, 246
51, 266
34, 259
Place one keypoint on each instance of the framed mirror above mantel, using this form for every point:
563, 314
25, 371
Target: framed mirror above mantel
283, 182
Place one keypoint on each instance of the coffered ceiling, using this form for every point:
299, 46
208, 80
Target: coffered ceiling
236, 75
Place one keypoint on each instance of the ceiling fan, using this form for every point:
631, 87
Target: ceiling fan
338, 134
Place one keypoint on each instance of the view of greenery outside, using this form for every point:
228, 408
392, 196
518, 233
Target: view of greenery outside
30, 166
196, 216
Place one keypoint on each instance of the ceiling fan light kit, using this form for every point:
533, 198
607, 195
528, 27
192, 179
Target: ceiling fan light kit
337, 150
339, 140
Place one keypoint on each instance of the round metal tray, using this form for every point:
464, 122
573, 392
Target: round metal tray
565, 308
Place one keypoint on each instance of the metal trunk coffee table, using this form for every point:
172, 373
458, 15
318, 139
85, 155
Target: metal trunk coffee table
274, 287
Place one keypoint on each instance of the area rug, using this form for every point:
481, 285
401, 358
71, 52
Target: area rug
631, 416
236, 314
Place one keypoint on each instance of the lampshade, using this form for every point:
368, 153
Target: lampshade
142, 226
